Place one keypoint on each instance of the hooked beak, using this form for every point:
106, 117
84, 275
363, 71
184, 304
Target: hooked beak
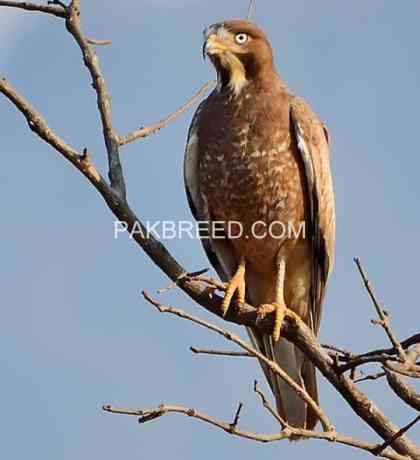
213, 45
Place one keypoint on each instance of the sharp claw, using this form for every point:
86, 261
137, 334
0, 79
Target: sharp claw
227, 299
278, 321
280, 311
236, 285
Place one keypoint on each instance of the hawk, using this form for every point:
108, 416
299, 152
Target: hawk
258, 156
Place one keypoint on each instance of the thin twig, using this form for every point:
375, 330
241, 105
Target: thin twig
370, 377
341, 351
403, 430
94, 41
211, 282
251, 10
289, 433
38, 125
91, 61
184, 276
58, 2
380, 356
300, 391
409, 366
269, 407
235, 422
148, 130
409, 370
407, 343
361, 360
55, 10
384, 320
237, 354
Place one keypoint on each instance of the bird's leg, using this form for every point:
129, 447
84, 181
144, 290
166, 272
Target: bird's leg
279, 307
235, 285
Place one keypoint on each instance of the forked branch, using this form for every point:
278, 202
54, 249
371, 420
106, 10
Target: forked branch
383, 316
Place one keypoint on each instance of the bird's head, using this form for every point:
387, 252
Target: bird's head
240, 52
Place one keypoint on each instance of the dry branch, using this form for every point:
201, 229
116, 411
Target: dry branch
91, 61
270, 408
403, 430
251, 10
404, 391
146, 415
94, 41
384, 319
230, 354
148, 130
375, 356
55, 10
273, 366
369, 377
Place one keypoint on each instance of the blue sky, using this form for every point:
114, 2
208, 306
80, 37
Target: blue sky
74, 331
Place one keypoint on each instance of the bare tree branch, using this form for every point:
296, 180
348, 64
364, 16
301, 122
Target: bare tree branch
94, 41
148, 130
411, 371
251, 9
375, 356
37, 124
269, 407
91, 61
369, 377
146, 415
384, 320
403, 430
303, 337
235, 422
404, 391
360, 361
347, 355
55, 10
57, 2
300, 391
338, 350
238, 354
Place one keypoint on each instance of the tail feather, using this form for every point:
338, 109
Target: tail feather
309, 378
289, 405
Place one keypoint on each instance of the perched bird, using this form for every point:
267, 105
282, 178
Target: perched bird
259, 157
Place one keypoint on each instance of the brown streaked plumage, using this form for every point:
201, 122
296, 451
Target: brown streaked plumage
258, 155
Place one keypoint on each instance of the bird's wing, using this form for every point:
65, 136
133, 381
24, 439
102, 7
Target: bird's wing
191, 165
218, 252
313, 145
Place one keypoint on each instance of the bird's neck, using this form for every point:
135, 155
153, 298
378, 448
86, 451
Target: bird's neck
235, 82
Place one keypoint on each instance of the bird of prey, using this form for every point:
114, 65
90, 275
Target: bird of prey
257, 155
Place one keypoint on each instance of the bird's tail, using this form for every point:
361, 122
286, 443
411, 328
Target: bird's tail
289, 405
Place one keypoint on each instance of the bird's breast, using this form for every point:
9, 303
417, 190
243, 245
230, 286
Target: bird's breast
249, 176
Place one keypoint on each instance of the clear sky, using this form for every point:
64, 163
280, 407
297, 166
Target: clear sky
74, 332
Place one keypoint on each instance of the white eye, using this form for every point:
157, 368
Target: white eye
241, 38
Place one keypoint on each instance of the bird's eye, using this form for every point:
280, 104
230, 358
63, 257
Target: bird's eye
241, 38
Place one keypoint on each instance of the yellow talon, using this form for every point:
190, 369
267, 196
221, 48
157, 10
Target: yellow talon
281, 312
236, 285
